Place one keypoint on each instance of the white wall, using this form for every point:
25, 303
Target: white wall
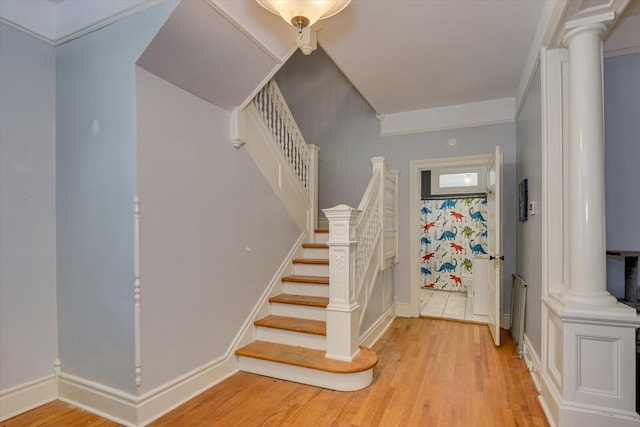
202, 204
622, 167
332, 114
529, 233
28, 327
95, 189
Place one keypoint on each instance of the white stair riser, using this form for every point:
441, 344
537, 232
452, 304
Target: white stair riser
322, 237
301, 339
311, 269
320, 253
307, 289
299, 311
314, 377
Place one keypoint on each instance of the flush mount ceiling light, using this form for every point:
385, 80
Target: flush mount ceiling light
304, 13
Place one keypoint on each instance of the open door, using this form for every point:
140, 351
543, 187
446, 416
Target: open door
494, 228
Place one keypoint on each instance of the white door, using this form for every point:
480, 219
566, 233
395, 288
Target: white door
494, 228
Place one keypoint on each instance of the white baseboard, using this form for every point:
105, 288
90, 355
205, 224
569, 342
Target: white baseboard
505, 321
532, 360
98, 399
24, 397
376, 330
585, 416
403, 309
158, 402
132, 410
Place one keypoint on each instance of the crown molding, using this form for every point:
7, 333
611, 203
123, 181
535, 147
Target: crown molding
98, 19
482, 113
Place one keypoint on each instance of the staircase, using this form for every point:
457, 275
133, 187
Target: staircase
291, 341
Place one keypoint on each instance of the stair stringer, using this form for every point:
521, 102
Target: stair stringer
268, 158
248, 332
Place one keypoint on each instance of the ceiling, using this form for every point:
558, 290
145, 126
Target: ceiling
412, 55
404, 56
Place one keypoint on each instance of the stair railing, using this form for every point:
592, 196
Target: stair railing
362, 242
275, 142
301, 157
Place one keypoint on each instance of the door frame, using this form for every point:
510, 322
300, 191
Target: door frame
415, 169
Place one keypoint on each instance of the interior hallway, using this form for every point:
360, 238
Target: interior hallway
430, 372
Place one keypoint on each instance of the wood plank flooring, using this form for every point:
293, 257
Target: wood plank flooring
430, 372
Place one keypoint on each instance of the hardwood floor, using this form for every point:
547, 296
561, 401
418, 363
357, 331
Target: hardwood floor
430, 372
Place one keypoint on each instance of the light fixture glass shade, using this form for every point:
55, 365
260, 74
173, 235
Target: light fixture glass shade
313, 10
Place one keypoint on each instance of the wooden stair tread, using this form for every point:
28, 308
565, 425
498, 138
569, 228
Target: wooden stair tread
308, 358
318, 280
315, 327
315, 246
318, 261
321, 230
321, 302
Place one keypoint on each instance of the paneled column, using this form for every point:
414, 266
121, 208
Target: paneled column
587, 240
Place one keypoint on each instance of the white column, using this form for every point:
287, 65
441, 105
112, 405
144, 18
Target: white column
587, 240
343, 309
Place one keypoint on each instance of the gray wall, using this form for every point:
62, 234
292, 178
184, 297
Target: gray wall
332, 114
95, 187
28, 332
202, 203
622, 167
529, 233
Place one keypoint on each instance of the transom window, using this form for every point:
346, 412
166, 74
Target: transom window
466, 180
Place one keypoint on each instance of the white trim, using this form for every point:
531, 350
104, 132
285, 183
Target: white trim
505, 321
164, 399
248, 331
403, 310
620, 52
481, 113
373, 334
415, 167
100, 23
131, 410
545, 22
480, 187
532, 360
98, 399
137, 331
27, 31
26, 396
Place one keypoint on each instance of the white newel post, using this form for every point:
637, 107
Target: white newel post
312, 177
343, 309
587, 250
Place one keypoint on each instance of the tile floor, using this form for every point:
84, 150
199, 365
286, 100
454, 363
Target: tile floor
448, 305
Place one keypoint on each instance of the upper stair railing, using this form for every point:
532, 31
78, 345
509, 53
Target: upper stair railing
362, 242
275, 142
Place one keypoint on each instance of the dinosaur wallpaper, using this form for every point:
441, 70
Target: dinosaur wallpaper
453, 231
